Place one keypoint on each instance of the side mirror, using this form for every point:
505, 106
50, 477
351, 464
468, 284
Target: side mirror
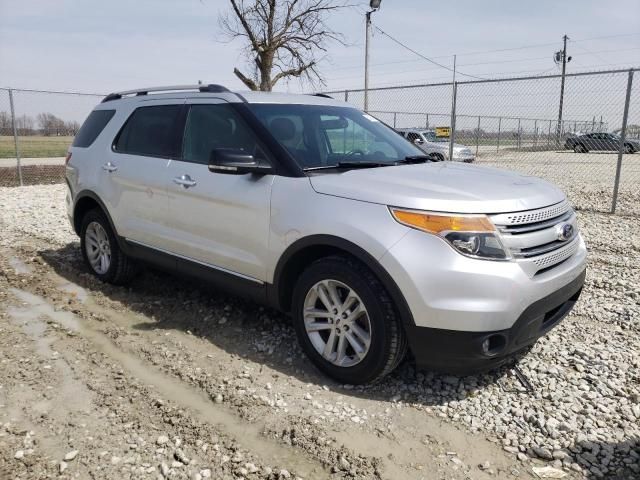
418, 141
237, 162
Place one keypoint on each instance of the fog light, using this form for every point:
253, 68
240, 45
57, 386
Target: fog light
494, 344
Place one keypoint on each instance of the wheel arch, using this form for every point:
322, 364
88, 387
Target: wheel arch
86, 200
306, 250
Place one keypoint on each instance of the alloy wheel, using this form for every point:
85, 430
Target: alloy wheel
98, 247
337, 323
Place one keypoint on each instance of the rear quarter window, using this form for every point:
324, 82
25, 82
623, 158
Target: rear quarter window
92, 126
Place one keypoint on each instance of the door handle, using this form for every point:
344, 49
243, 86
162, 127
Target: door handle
185, 180
109, 167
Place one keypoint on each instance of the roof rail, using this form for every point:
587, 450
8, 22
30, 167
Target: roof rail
323, 95
211, 88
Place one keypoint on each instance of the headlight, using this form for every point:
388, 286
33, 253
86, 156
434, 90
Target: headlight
471, 235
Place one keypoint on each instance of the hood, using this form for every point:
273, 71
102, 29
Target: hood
441, 187
443, 145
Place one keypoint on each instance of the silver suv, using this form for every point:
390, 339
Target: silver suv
313, 207
436, 147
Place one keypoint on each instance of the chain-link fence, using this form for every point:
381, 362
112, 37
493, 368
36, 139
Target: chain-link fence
36, 128
518, 124
589, 146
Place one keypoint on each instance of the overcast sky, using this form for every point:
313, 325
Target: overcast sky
102, 46
105, 46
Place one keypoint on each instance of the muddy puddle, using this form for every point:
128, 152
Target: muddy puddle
36, 312
19, 266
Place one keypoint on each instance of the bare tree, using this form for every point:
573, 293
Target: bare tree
50, 124
283, 38
24, 125
5, 124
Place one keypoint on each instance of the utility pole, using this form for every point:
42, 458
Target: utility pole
452, 124
375, 5
561, 56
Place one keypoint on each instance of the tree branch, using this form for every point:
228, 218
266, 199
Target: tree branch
293, 72
246, 80
281, 36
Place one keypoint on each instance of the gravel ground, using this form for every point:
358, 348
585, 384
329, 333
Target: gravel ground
154, 373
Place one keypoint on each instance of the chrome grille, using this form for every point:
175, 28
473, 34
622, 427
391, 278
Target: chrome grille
532, 237
532, 216
560, 255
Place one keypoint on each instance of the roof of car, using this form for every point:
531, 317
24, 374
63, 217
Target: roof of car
418, 130
218, 91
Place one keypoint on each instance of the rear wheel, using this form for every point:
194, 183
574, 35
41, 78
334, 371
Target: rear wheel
579, 148
346, 322
438, 157
101, 252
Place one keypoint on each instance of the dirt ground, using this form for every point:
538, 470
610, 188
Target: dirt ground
134, 389
169, 378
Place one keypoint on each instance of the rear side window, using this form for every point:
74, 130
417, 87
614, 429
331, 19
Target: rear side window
92, 126
150, 131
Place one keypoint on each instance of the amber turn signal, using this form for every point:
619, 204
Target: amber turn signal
436, 223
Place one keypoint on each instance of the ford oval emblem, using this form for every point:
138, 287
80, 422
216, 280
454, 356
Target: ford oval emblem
564, 232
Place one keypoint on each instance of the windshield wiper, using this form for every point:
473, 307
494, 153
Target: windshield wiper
413, 159
349, 165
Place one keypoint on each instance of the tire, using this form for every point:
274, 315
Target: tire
628, 148
96, 234
438, 157
388, 344
579, 148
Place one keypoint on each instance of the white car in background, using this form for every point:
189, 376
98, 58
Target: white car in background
436, 147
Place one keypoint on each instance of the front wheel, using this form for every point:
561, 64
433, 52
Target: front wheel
346, 321
438, 157
628, 148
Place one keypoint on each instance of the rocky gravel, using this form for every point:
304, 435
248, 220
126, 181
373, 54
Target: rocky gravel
582, 418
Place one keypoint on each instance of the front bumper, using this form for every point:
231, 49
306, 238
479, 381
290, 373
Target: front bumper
463, 158
465, 353
456, 302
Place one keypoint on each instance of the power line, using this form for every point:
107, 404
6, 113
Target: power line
422, 56
524, 47
518, 60
434, 79
592, 53
607, 36
356, 67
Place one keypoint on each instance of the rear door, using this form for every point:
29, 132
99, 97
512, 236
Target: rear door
599, 141
219, 220
134, 172
612, 142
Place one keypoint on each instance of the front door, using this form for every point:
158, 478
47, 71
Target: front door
220, 220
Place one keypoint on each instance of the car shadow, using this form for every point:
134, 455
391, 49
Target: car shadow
260, 334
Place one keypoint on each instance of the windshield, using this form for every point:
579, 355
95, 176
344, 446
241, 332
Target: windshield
431, 137
319, 136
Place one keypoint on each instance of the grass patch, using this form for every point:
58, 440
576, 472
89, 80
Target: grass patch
35, 146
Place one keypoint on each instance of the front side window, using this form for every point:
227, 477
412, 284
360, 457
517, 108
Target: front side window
149, 131
324, 135
216, 126
431, 137
413, 136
